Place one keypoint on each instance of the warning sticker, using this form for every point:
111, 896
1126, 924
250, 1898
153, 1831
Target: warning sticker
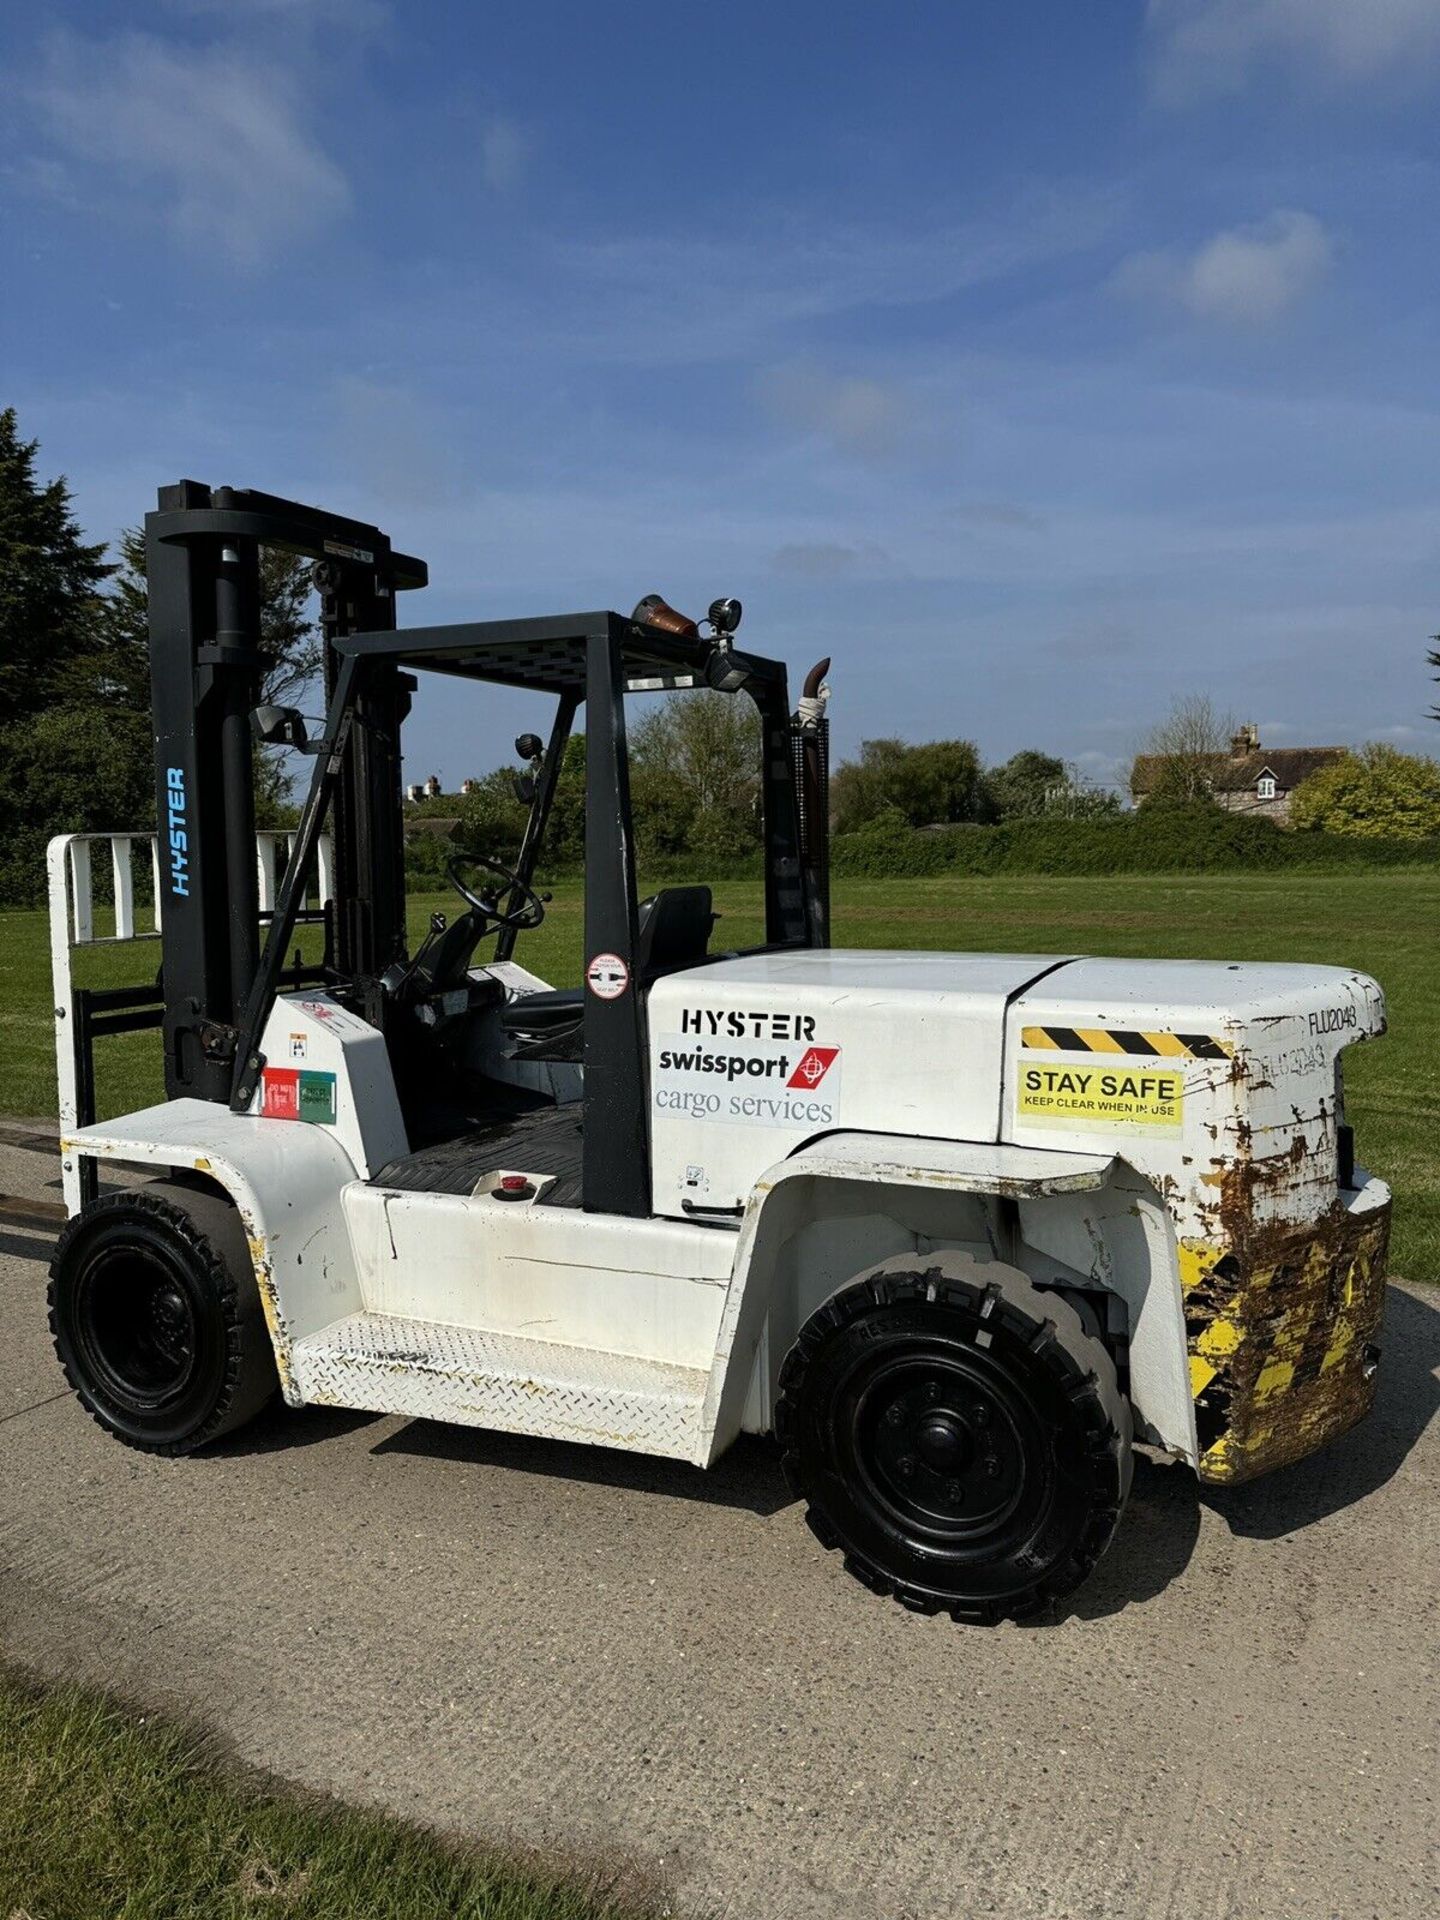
317, 1098
294, 1093
280, 1093
607, 976
1081, 1094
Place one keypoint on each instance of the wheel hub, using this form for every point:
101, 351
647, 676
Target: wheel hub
943, 1442
139, 1325
943, 1452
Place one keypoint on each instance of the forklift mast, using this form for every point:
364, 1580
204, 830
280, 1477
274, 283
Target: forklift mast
203, 569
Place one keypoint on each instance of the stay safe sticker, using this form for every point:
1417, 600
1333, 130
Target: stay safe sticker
1080, 1093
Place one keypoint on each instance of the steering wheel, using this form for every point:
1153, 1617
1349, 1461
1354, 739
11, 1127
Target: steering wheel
527, 913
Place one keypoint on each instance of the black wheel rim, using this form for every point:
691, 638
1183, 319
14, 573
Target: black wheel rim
945, 1448
135, 1325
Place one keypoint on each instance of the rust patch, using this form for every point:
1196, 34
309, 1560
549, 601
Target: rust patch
1281, 1319
270, 1306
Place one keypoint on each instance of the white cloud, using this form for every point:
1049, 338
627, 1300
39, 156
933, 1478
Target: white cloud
825, 559
213, 136
730, 294
858, 415
355, 16
400, 447
504, 153
1245, 276
1208, 46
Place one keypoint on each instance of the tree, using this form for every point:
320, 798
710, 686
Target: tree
695, 775
1176, 764
692, 791
934, 784
116, 666
69, 770
76, 753
1378, 793
115, 669
50, 581
492, 818
1024, 785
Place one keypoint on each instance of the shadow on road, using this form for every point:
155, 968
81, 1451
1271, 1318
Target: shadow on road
1152, 1547
1367, 1456
279, 1428
747, 1476
22, 1245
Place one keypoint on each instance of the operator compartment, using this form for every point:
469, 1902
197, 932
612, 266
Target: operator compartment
1222, 1085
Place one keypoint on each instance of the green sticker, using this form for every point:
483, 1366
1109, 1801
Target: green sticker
317, 1098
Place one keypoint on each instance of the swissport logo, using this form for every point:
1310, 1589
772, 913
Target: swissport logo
815, 1063
747, 1082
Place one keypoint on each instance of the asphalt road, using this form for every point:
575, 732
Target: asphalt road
646, 1666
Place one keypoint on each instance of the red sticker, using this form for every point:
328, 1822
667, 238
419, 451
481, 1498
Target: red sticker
815, 1063
607, 976
280, 1093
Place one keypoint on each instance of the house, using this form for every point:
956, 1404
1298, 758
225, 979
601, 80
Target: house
1248, 779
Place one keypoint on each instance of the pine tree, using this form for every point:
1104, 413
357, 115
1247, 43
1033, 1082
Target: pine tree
50, 581
116, 669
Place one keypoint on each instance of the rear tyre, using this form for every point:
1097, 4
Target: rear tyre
958, 1436
157, 1320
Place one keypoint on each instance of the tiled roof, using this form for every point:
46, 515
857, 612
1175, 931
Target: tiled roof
1241, 774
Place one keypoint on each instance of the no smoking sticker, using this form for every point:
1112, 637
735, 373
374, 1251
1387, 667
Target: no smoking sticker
607, 976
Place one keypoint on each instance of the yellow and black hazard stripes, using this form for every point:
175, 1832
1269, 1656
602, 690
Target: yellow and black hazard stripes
1281, 1346
1125, 1040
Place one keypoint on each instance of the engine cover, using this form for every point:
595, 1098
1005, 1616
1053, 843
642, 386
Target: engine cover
751, 1057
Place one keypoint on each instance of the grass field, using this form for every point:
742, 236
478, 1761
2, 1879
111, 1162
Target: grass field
1384, 923
104, 1811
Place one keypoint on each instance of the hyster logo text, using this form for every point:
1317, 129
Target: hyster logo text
734, 1023
179, 837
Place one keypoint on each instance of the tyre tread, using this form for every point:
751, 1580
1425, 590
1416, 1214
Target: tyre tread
995, 1293
209, 1227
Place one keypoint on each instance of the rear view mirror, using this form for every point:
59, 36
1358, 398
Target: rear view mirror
279, 726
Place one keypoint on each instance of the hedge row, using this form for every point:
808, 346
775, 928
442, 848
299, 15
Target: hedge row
1200, 840
1180, 840
426, 854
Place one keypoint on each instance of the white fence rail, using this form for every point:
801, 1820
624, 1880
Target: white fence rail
71, 865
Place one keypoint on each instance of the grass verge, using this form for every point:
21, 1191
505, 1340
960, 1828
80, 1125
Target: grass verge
107, 1812
1381, 922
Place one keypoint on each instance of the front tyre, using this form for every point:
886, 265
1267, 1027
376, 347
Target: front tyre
958, 1435
157, 1320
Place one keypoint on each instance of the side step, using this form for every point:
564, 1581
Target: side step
431, 1371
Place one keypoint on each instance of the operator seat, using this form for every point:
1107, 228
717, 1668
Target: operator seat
673, 931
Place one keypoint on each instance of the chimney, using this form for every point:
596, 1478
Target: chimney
1245, 742
432, 785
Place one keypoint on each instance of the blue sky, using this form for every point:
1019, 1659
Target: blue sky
1040, 361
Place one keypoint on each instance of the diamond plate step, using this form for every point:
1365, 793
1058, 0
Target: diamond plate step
431, 1371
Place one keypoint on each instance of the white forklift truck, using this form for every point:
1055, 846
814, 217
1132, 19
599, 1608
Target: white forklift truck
957, 1228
